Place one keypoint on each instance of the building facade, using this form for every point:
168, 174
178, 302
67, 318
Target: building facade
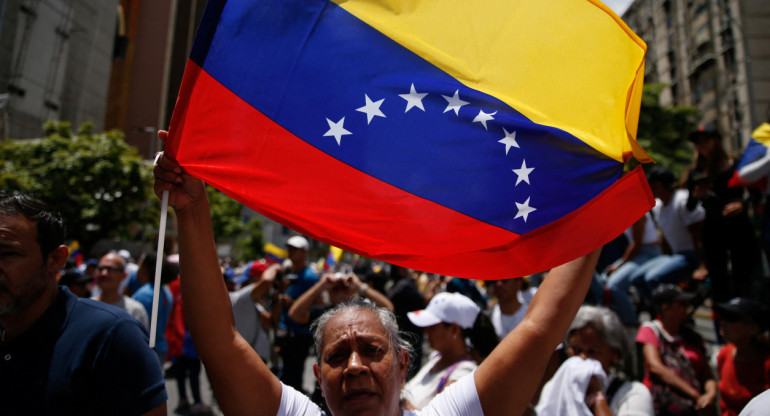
146, 76
55, 60
713, 55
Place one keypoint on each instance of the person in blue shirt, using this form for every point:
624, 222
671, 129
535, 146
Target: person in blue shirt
60, 354
146, 275
295, 348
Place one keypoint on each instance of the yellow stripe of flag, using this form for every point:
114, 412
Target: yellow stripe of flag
561, 63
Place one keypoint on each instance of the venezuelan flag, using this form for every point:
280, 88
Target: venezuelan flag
75, 254
481, 139
274, 254
754, 165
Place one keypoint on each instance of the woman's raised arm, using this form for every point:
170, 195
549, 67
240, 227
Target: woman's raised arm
508, 378
242, 383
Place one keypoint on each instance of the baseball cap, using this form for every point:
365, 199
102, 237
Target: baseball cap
257, 268
744, 307
667, 293
452, 308
125, 254
704, 132
297, 241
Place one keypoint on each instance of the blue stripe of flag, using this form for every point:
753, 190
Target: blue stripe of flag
307, 63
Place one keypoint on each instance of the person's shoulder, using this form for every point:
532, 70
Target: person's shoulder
647, 334
94, 317
97, 310
725, 352
463, 367
143, 293
757, 406
132, 303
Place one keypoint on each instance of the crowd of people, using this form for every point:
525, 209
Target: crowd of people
387, 339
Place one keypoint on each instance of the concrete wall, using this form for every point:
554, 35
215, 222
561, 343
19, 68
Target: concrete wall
58, 67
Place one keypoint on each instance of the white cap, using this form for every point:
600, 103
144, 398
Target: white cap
297, 241
125, 254
452, 308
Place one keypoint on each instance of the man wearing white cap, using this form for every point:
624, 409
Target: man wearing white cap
298, 340
459, 336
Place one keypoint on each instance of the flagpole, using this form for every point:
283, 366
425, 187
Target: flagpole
158, 266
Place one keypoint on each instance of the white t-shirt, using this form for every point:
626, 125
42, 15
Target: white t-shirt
505, 323
248, 321
650, 235
422, 387
632, 399
459, 399
134, 308
674, 219
757, 406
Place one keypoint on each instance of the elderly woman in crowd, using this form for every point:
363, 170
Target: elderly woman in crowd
362, 361
588, 383
449, 320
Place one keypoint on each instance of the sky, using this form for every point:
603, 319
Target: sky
618, 6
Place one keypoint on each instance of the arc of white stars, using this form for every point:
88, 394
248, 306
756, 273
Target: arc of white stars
454, 103
337, 130
413, 99
524, 210
483, 117
371, 109
509, 140
522, 173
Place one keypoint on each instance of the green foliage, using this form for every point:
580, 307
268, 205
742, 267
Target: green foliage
663, 131
228, 227
250, 246
101, 185
225, 214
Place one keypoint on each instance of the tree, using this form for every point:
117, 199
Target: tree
663, 131
228, 226
100, 184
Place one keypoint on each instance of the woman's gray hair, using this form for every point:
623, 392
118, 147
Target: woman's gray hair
386, 318
606, 323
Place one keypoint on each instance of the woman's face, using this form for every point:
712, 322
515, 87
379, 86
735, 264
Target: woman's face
678, 310
588, 343
507, 289
706, 145
737, 329
442, 336
357, 370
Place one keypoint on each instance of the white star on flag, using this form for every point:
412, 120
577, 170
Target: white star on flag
524, 210
454, 103
509, 140
413, 99
484, 117
337, 130
371, 109
523, 173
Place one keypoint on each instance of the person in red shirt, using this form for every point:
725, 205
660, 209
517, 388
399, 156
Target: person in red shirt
677, 371
744, 363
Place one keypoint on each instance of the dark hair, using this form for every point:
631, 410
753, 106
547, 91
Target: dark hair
50, 226
662, 175
482, 335
168, 271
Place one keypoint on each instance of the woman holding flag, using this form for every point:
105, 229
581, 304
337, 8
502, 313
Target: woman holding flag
362, 362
